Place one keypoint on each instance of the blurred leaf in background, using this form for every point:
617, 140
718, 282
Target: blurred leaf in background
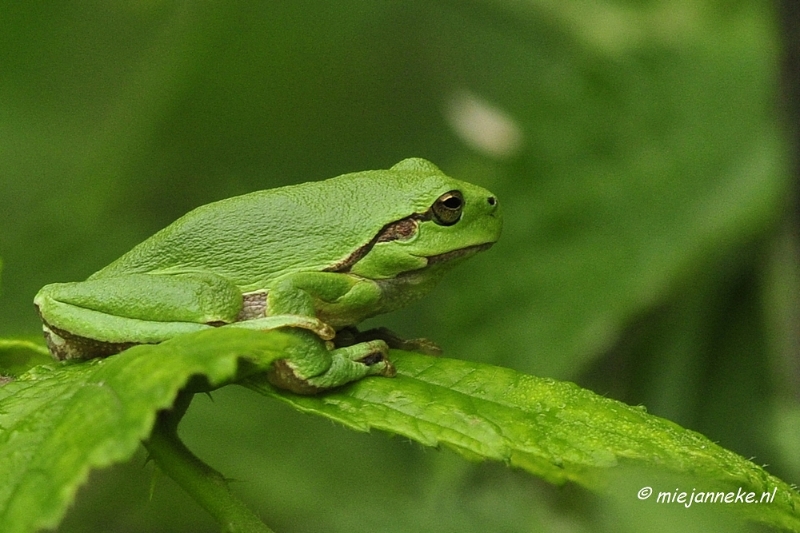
637, 150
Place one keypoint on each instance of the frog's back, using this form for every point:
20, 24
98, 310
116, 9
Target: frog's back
254, 238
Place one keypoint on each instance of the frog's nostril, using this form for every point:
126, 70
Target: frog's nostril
492, 200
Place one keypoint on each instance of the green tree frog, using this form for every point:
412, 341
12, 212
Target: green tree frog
317, 257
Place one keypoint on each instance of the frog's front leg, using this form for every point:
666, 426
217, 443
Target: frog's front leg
313, 367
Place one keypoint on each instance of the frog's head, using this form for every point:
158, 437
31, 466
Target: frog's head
447, 221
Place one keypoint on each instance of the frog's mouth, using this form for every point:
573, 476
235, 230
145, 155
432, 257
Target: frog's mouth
461, 252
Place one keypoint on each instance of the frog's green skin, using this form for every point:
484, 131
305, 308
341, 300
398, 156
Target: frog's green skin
319, 256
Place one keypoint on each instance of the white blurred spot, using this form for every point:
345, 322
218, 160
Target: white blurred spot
483, 126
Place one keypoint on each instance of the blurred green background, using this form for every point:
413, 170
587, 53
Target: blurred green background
637, 147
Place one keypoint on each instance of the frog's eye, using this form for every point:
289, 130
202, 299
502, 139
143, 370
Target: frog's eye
446, 210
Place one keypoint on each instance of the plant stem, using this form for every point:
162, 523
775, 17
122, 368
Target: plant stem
207, 486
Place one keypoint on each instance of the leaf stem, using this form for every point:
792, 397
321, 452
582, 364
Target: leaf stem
207, 486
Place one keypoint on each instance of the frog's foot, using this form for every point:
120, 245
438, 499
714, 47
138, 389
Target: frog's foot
350, 335
313, 324
347, 364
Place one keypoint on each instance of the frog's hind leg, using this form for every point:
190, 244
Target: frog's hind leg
103, 316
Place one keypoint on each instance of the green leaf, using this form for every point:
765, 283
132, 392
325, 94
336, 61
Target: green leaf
553, 429
57, 422
61, 420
